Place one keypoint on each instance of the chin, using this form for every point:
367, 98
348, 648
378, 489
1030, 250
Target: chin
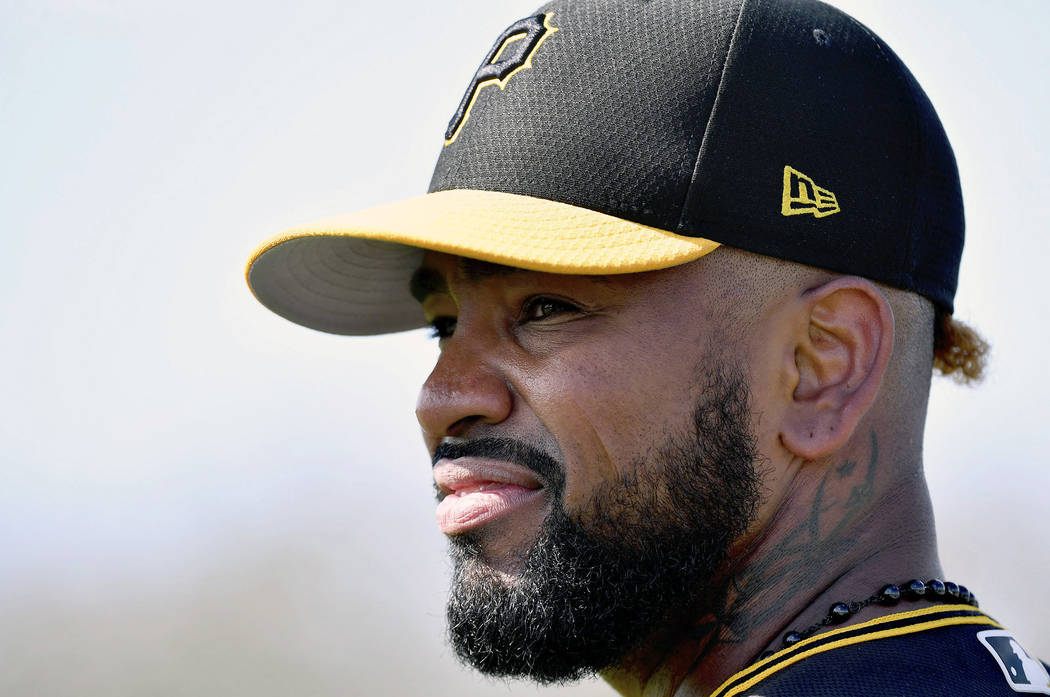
483, 560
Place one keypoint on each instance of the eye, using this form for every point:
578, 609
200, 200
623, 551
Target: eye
442, 327
541, 308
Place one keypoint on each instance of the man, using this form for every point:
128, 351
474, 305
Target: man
690, 265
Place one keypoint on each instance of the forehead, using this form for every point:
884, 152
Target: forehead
433, 274
439, 271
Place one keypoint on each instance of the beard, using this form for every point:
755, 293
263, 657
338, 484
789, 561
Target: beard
643, 558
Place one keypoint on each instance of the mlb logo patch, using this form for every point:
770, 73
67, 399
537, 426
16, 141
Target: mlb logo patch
1023, 673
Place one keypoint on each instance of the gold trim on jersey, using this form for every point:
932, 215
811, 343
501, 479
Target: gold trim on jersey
915, 621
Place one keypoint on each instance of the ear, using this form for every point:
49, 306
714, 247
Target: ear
843, 344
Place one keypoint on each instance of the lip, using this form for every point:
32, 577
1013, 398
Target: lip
476, 491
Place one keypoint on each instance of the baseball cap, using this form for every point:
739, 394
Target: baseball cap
619, 136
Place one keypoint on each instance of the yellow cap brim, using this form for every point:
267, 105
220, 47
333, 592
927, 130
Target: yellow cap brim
350, 274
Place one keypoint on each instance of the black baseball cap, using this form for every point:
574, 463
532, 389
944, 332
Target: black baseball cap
619, 136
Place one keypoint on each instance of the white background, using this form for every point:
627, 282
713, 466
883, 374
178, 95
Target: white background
200, 498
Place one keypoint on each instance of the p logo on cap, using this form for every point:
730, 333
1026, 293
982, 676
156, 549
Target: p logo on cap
513, 51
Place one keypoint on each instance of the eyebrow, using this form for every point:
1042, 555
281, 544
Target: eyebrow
474, 270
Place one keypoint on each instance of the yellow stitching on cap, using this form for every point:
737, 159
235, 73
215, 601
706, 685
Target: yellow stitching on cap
503, 83
802, 196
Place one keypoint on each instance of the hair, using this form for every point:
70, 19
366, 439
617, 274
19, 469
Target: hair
958, 350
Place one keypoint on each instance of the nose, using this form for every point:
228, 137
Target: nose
464, 389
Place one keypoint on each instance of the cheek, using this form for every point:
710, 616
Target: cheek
606, 416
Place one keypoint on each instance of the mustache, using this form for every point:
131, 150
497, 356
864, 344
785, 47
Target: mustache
549, 470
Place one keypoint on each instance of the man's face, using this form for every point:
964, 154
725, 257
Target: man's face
592, 455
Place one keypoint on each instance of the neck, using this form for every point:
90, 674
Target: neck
844, 529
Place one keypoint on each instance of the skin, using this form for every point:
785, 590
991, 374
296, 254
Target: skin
592, 369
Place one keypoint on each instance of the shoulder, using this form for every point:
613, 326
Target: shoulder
942, 651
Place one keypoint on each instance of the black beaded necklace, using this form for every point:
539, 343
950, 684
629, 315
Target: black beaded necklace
891, 594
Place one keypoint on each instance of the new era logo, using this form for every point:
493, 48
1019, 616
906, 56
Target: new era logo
802, 196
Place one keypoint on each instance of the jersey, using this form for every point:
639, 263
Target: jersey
942, 651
